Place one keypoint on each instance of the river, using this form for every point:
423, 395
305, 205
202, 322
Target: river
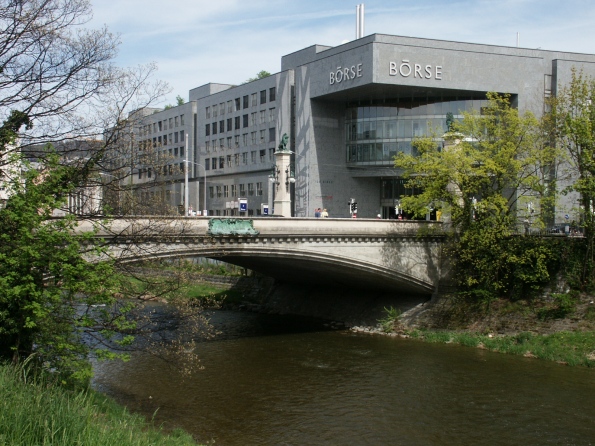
274, 380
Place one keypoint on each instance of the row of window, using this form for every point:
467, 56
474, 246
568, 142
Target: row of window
238, 104
167, 170
240, 122
235, 190
221, 162
259, 137
163, 140
161, 126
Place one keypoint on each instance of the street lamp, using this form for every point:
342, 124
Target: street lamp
186, 192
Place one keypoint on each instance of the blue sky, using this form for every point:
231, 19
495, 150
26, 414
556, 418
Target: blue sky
195, 42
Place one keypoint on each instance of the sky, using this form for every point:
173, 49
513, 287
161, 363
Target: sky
195, 42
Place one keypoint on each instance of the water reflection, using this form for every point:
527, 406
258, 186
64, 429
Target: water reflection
269, 381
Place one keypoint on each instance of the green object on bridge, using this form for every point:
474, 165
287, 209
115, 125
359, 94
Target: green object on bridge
231, 226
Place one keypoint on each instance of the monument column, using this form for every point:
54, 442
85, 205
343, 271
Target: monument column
284, 179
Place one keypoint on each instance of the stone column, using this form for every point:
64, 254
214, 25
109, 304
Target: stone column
282, 204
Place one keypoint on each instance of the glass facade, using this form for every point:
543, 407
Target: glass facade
375, 134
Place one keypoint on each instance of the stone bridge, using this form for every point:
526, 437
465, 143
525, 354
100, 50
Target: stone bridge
402, 256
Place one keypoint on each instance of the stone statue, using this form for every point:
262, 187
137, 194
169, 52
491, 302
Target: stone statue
450, 119
283, 144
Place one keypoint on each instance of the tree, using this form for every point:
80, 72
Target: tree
492, 164
572, 124
68, 116
260, 75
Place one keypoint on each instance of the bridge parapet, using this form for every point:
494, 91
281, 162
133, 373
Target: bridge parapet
384, 253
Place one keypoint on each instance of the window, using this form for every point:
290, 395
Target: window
237, 159
222, 143
253, 156
253, 118
176, 138
215, 111
222, 108
229, 142
242, 190
218, 191
253, 138
207, 164
226, 191
221, 126
271, 155
244, 157
228, 161
164, 140
272, 94
165, 124
272, 134
271, 115
221, 162
263, 97
181, 167
258, 188
263, 154
229, 106
245, 139
250, 189
213, 163
234, 190
181, 135
245, 121
181, 119
262, 135
149, 172
171, 123
181, 151
154, 127
237, 140
140, 174
214, 127
236, 123
160, 126
176, 121
245, 102
159, 141
254, 100
175, 151
229, 124
263, 116
211, 194
208, 146
237, 104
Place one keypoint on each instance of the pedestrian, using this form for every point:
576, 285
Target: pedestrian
317, 213
378, 217
324, 213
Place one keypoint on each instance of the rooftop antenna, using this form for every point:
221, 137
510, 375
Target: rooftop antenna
359, 21
517, 39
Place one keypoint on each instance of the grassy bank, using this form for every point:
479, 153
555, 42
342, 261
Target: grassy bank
34, 411
572, 348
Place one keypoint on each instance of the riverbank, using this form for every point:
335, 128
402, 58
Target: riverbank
35, 411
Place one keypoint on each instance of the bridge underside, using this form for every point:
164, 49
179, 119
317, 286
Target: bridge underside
306, 272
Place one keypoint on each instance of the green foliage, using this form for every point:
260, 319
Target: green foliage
391, 319
572, 122
490, 163
563, 305
260, 75
47, 288
572, 348
35, 411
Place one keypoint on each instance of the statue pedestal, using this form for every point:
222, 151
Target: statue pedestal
282, 204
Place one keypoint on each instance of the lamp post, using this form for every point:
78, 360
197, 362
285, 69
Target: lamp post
186, 193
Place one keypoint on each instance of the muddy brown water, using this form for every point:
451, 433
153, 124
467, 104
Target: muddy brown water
274, 380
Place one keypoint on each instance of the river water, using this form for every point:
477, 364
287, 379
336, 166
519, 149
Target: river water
273, 380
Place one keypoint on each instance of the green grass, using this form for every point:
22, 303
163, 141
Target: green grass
572, 348
33, 411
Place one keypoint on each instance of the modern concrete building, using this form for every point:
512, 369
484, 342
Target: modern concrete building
347, 110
